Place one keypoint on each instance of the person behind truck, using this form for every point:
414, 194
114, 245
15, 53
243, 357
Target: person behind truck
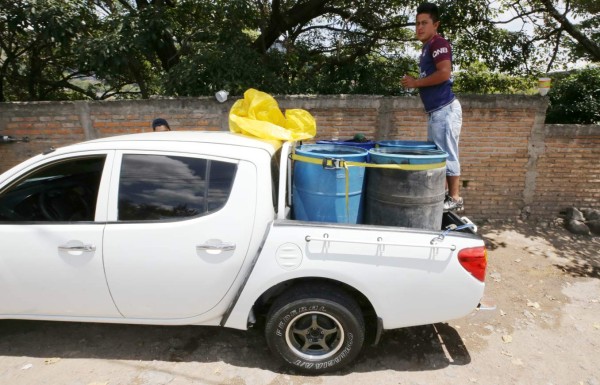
160, 124
435, 89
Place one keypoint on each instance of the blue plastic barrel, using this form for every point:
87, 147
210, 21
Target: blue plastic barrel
401, 155
366, 145
411, 144
406, 198
319, 194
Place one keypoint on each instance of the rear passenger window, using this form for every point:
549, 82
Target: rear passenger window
161, 187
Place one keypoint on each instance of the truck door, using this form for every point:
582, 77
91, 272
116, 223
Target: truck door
51, 226
181, 230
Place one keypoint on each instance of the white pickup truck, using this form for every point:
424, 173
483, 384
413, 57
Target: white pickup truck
193, 228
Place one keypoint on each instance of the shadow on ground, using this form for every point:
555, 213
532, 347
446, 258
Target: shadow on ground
423, 348
581, 251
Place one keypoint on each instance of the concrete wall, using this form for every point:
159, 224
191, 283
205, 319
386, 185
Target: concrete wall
512, 164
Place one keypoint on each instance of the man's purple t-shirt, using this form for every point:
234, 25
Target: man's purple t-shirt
435, 97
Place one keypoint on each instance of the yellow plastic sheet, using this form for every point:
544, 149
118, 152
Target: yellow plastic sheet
258, 114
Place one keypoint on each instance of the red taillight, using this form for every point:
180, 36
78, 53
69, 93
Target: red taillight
474, 260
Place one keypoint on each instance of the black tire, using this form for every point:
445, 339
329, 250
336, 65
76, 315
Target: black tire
315, 329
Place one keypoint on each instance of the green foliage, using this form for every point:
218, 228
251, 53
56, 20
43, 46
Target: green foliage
37, 40
224, 66
478, 79
67, 49
588, 12
367, 75
575, 98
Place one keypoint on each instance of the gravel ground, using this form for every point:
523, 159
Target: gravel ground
545, 330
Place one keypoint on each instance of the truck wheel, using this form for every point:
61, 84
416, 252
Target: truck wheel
315, 329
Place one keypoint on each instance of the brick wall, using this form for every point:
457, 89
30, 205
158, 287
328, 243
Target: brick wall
568, 169
512, 164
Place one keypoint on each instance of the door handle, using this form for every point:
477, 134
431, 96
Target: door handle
77, 248
216, 245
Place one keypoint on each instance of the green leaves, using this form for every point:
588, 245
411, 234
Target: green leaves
575, 98
37, 40
61, 49
478, 79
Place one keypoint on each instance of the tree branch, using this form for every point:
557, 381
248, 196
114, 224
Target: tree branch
587, 44
63, 83
519, 16
300, 13
126, 4
555, 52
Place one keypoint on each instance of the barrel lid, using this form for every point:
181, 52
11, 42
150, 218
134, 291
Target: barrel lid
350, 142
400, 155
331, 151
407, 143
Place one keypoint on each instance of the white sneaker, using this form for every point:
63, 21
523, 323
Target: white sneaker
453, 205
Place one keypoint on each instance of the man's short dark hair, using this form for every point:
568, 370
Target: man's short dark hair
160, 122
431, 9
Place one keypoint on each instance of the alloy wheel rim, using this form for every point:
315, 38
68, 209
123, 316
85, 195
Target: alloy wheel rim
314, 335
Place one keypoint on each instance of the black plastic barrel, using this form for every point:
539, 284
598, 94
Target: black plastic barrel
406, 198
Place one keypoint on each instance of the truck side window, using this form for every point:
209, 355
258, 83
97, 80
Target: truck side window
63, 191
161, 187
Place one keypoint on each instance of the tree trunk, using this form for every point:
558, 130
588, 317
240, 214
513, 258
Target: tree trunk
279, 22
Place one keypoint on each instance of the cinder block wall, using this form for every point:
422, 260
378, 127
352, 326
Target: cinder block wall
512, 165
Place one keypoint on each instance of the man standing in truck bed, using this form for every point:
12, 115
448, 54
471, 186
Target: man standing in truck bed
435, 88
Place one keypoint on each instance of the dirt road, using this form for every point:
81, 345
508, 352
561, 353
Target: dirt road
546, 330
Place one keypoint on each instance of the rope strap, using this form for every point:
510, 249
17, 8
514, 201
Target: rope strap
332, 163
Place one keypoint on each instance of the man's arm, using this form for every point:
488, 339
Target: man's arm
443, 71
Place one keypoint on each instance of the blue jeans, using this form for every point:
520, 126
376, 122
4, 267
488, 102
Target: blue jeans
443, 128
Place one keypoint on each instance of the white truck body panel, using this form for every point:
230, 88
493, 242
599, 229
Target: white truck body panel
153, 273
407, 280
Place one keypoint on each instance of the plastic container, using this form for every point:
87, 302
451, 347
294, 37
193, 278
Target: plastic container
406, 198
366, 145
319, 194
400, 155
410, 144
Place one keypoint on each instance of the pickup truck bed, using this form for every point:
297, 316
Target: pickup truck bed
392, 277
